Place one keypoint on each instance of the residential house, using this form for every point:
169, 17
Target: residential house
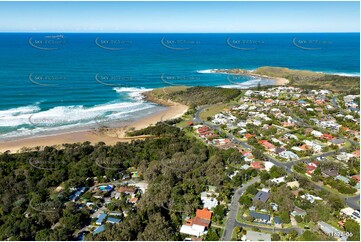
262, 196
100, 218
99, 229
260, 217
245, 167
209, 200
327, 137
330, 172
342, 178
316, 133
268, 165
277, 220
127, 190
113, 220
356, 178
293, 184
274, 206
133, 200
257, 165
267, 145
298, 212
356, 153
310, 168
197, 225
288, 155
352, 213
338, 142
279, 150
315, 147
279, 180
78, 192
331, 231
311, 198
257, 236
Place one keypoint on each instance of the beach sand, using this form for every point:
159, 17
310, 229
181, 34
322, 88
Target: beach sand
109, 136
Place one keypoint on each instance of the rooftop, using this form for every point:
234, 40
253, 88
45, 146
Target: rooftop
262, 196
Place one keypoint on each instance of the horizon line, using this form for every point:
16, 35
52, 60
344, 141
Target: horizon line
71, 32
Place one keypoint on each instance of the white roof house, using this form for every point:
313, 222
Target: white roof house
257, 236
195, 230
292, 184
289, 155
268, 165
352, 213
311, 198
208, 200
316, 133
278, 180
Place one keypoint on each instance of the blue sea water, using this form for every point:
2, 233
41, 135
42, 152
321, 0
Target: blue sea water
58, 82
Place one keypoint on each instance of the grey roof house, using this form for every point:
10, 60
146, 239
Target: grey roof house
262, 196
260, 217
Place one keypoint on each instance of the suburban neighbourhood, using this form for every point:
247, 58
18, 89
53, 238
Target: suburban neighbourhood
304, 146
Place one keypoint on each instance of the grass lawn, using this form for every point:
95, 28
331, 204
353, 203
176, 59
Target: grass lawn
168, 90
347, 145
234, 235
239, 213
183, 124
213, 110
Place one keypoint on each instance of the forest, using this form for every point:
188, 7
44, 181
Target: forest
176, 167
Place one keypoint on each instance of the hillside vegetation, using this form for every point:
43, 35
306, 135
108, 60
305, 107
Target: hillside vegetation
194, 96
313, 80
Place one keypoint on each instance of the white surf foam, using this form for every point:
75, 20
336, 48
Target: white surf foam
207, 71
133, 92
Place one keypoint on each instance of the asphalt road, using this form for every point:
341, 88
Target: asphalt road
232, 214
352, 202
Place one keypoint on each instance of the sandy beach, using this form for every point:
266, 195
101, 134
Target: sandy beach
110, 136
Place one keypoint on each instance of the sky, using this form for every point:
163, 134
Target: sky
180, 17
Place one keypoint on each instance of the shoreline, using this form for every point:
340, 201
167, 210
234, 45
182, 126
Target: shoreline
110, 136
279, 81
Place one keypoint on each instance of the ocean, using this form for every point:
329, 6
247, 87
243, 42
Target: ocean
60, 82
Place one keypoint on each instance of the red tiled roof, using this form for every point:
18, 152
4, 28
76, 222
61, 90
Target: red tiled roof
257, 165
133, 200
204, 214
356, 177
356, 153
248, 136
266, 144
327, 136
